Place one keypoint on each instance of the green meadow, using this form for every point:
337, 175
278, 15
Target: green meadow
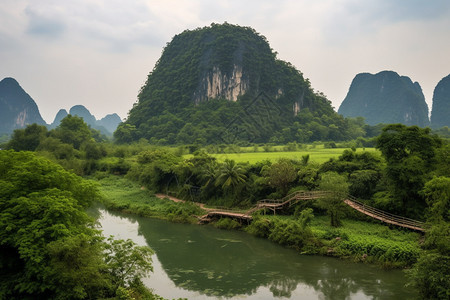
317, 155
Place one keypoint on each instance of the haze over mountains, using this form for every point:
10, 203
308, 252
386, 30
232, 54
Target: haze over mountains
226, 79
18, 109
440, 115
386, 97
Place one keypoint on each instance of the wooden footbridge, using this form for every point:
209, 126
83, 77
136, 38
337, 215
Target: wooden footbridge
293, 198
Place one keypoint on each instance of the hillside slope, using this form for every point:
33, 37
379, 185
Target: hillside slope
220, 84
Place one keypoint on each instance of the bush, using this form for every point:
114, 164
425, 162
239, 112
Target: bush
227, 223
260, 227
289, 234
431, 276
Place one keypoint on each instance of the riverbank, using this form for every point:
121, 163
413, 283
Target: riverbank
360, 241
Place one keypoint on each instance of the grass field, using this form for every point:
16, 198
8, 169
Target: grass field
318, 155
123, 195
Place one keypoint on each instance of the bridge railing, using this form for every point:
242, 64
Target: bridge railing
385, 215
218, 209
299, 195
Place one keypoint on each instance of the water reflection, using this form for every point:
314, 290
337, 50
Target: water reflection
215, 263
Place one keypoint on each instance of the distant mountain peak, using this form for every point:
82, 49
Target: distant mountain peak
385, 97
440, 113
17, 108
106, 125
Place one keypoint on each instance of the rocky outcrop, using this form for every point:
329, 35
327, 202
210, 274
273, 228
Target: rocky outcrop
217, 84
440, 113
385, 97
17, 108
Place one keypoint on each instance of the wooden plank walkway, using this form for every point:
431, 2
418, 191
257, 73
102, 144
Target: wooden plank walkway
289, 200
385, 216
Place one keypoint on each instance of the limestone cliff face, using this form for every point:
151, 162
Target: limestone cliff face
17, 108
385, 97
217, 84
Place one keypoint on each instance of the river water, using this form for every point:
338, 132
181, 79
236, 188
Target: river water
202, 262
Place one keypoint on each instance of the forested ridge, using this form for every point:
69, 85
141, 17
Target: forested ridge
175, 106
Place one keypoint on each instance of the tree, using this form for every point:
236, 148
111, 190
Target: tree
73, 130
333, 203
230, 175
49, 248
126, 262
27, 139
41, 210
437, 194
125, 133
410, 156
280, 175
431, 274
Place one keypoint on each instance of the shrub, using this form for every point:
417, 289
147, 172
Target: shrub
227, 223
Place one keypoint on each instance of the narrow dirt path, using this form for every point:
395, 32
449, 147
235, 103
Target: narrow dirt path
174, 199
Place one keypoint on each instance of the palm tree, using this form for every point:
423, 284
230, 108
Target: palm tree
230, 175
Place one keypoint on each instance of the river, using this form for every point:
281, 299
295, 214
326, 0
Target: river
202, 262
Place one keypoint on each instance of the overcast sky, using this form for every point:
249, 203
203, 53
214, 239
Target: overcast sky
98, 53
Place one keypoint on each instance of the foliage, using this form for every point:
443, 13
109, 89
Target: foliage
363, 171
305, 217
431, 276
437, 194
227, 223
49, 248
27, 139
281, 174
125, 195
41, 208
333, 203
72, 130
230, 176
410, 156
126, 262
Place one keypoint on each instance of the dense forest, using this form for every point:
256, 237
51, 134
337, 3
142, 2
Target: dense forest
407, 176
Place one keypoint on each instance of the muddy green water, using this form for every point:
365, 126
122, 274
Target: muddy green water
202, 262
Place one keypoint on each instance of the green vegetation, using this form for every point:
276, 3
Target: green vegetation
317, 154
407, 175
361, 241
124, 195
49, 248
